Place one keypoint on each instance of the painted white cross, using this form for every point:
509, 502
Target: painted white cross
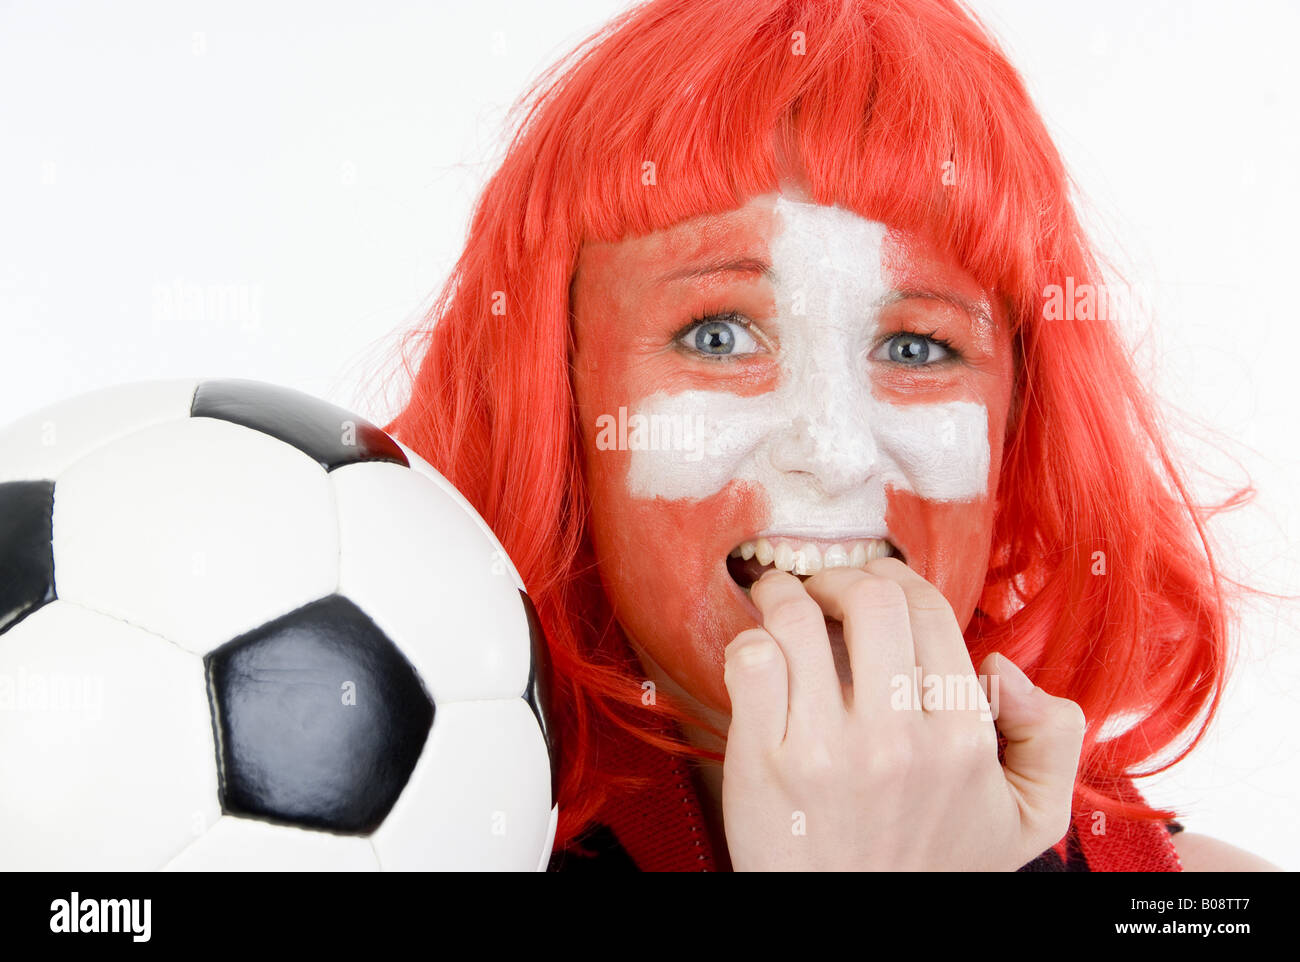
824, 448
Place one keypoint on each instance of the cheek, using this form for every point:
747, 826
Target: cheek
690, 445
940, 450
664, 569
659, 553
947, 544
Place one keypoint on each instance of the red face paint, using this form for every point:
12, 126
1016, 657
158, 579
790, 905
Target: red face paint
664, 561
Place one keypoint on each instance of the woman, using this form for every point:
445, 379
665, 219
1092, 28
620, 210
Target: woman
750, 361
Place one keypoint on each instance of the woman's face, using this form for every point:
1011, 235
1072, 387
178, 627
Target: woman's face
846, 395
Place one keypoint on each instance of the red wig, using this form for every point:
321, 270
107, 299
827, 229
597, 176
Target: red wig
906, 112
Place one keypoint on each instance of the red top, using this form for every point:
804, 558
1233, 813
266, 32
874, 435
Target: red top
661, 828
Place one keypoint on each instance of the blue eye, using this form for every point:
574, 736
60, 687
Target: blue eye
719, 336
914, 350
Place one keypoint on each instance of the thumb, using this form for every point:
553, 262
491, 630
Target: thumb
1044, 740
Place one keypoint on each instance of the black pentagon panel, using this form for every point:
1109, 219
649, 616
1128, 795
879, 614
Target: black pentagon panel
318, 719
329, 434
538, 691
26, 549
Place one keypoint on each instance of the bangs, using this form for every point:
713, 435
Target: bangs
912, 119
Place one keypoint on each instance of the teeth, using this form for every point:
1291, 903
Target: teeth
804, 558
877, 549
783, 557
807, 560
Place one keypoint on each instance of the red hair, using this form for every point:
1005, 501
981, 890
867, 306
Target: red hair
906, 112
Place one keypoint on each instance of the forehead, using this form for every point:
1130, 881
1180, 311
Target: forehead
640, 262
779, 238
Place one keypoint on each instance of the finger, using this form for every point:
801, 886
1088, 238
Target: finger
877, 632
796, 622
755, 676
936, 637
1044, 740
950, 690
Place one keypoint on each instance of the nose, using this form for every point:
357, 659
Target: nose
831, 444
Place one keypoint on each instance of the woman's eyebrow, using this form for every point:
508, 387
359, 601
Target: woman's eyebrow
745, 265
977, 311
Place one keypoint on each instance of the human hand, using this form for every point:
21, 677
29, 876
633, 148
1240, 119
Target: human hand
817, 778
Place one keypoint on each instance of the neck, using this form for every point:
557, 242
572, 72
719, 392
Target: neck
708, 773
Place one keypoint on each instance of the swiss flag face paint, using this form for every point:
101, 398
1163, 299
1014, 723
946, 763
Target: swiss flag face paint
849, 383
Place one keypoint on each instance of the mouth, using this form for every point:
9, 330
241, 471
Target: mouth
803, 557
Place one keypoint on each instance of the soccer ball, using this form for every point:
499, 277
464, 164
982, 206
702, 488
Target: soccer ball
242, 628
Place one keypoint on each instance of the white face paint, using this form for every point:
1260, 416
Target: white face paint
821, 445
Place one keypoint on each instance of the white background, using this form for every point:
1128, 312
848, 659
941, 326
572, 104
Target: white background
319, 160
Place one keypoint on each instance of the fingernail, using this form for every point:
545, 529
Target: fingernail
754, 653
